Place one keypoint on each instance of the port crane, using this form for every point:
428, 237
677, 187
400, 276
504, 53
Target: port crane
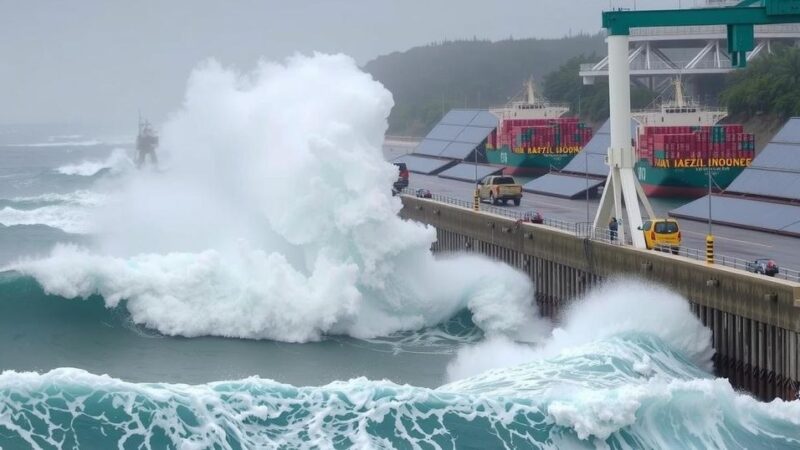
622, 184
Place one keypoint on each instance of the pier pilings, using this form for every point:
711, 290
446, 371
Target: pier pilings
755, 320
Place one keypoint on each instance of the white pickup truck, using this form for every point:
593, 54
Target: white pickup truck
499, 189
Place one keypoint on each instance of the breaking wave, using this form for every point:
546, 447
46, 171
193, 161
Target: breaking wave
276, 221
542, 404
117, 162
71, 212
64, 143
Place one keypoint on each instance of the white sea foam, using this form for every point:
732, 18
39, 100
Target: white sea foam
117, 162
85, 143
70, 212
620, 306
70, 219
257, 413
276, 220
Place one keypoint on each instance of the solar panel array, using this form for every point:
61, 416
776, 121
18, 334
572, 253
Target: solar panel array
561, 185
776, 170
743, 212
458, 133
467, 172
422, 164
591, 158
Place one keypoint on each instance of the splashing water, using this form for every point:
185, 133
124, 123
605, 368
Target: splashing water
619, 306
70, 212
117, 162
275, 220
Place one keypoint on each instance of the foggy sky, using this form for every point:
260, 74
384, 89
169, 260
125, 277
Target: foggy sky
99, 61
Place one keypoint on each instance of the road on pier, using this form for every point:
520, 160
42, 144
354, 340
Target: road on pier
729, 241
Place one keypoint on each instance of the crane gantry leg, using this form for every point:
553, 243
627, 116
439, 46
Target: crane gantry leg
621, 185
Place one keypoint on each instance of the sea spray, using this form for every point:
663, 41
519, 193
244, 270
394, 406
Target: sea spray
518, 408
70, 212
117, 162
618, 306
275, 220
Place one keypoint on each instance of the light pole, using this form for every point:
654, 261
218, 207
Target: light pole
709, 237
477, 197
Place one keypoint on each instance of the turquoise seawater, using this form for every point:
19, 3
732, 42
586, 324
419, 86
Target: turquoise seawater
76, 373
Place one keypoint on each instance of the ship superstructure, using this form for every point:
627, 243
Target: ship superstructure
533, 136
681, 141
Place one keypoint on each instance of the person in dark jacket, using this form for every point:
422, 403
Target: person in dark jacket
612, 228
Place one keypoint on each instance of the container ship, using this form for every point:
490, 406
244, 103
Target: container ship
680, 143
533, 137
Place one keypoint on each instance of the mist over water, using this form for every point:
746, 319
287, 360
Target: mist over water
271, 217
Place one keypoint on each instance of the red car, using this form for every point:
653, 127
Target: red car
424, 193
533, 217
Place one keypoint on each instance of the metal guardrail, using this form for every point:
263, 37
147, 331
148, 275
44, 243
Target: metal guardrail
587, 231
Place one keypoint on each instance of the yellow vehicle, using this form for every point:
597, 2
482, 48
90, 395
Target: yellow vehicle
662, 234
499, 189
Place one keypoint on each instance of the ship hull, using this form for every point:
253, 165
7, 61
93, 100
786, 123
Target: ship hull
527, 164
684, 182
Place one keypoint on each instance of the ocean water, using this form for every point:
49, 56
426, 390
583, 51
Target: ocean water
257, 290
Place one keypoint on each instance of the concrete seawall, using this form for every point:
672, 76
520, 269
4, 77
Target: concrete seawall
755, 319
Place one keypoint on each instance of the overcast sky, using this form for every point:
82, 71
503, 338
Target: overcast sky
98, 61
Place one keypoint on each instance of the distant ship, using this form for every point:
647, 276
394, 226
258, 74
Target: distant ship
677, 142
146, 143
533, 137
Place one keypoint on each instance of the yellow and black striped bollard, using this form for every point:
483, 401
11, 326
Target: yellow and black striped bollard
710, 249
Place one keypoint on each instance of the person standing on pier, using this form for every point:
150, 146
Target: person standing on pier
612, 228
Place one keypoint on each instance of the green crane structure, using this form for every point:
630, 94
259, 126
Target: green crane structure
739, 19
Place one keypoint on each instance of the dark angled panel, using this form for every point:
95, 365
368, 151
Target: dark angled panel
748, 180
473, 135
423, 165
770, 183
459, 116
560, 185
779, 156
457, 150
605, 128
466, 172
598, 144
597, 164
742, 212
444, 132
431, 147
793, 228
484, 119
790, 132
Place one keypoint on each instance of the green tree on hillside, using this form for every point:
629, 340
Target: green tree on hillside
769, 85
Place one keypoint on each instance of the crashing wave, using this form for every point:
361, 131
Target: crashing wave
117, 162
71, 212
590, 396
276, 221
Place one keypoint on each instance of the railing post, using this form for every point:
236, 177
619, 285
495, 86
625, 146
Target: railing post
476, 200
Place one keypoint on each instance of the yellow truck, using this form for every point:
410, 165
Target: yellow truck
497, 189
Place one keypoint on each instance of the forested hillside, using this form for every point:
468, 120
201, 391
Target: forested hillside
770, 85
428, 81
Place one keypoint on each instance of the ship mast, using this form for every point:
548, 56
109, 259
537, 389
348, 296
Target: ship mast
529, 86
679, 99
